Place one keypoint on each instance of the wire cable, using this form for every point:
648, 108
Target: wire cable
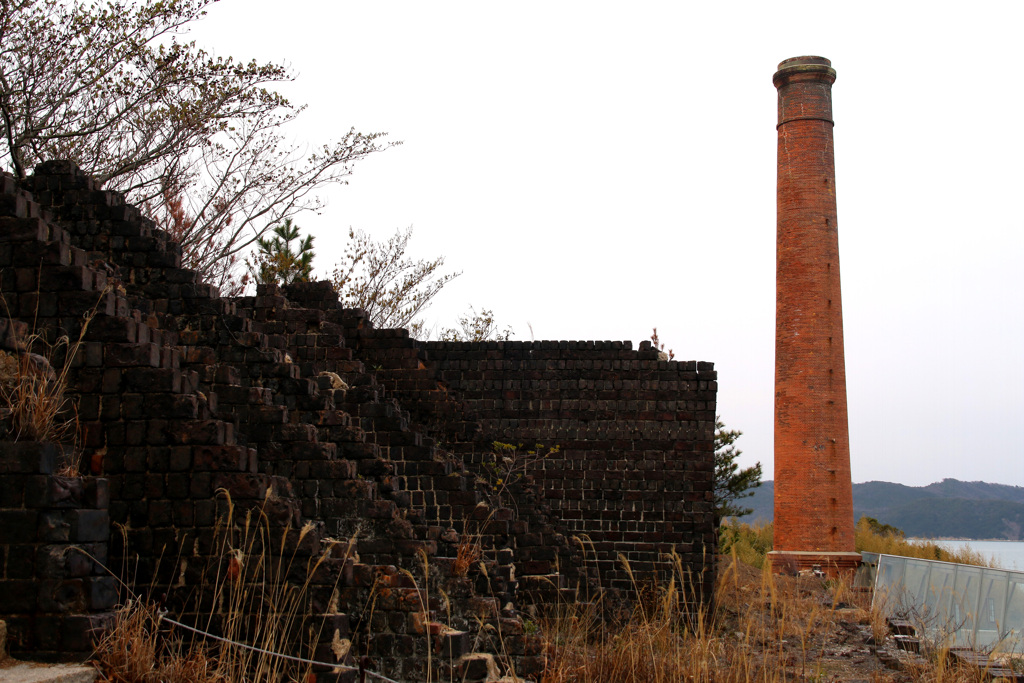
293, 658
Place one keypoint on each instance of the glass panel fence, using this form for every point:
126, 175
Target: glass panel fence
888, 582
1015, 607
964, 605
991, 608
953, 604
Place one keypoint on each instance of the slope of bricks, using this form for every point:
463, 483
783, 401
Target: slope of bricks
633, 477
183, 396
550, 566
371, 443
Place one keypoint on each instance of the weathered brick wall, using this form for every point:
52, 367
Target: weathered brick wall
287, 402
54, 533
634, 473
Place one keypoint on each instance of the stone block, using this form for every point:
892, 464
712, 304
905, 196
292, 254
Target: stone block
20, 596
201, 485
204, 513
131, 355
242, 486
79, 633
153, 380
209, 432
19, 526
65, 278
112, 329
61, 596
23, 229
19, 561
453, 644
65, 492
89, 525
177, 485
100, 592
110, 381
84, 559
13, 487
29, 457
51, 561
220, 458
476, 668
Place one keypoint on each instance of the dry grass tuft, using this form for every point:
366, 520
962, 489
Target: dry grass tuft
33, 399
135, 651
469, 552
762, 628
943, 668
670, 636
34, 405
256, 592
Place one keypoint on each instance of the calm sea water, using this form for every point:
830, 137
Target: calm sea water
1009, 554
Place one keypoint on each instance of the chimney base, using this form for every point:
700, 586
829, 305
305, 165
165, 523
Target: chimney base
794, 561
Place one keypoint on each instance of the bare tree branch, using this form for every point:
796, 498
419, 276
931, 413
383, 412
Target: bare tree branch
111, 87
378, 278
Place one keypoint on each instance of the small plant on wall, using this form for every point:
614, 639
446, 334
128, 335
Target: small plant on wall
508, 465
34, 378
33, 390
659, 346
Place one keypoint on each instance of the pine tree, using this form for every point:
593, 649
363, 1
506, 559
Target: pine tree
276, 264
732, 484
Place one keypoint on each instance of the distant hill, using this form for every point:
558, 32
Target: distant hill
950, 508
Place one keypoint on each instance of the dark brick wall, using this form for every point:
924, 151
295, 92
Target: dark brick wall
54, 533
634, 470
287, 402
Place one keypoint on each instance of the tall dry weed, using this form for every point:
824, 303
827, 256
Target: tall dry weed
942, 667
33, 395
671, 635
138, 650
758, 627
256, 595
34, 401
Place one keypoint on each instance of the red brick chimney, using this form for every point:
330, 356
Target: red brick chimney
813, 490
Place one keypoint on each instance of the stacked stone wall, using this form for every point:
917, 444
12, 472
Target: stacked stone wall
634, 469
54, 533
365, 451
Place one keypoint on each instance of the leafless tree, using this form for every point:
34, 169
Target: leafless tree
477, 327
380, 279
195, 139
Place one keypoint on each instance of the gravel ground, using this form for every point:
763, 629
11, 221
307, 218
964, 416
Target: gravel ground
811, 634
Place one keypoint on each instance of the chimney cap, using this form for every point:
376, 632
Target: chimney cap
808, 68
804, 61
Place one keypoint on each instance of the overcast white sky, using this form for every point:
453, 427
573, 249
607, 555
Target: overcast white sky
596, 169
